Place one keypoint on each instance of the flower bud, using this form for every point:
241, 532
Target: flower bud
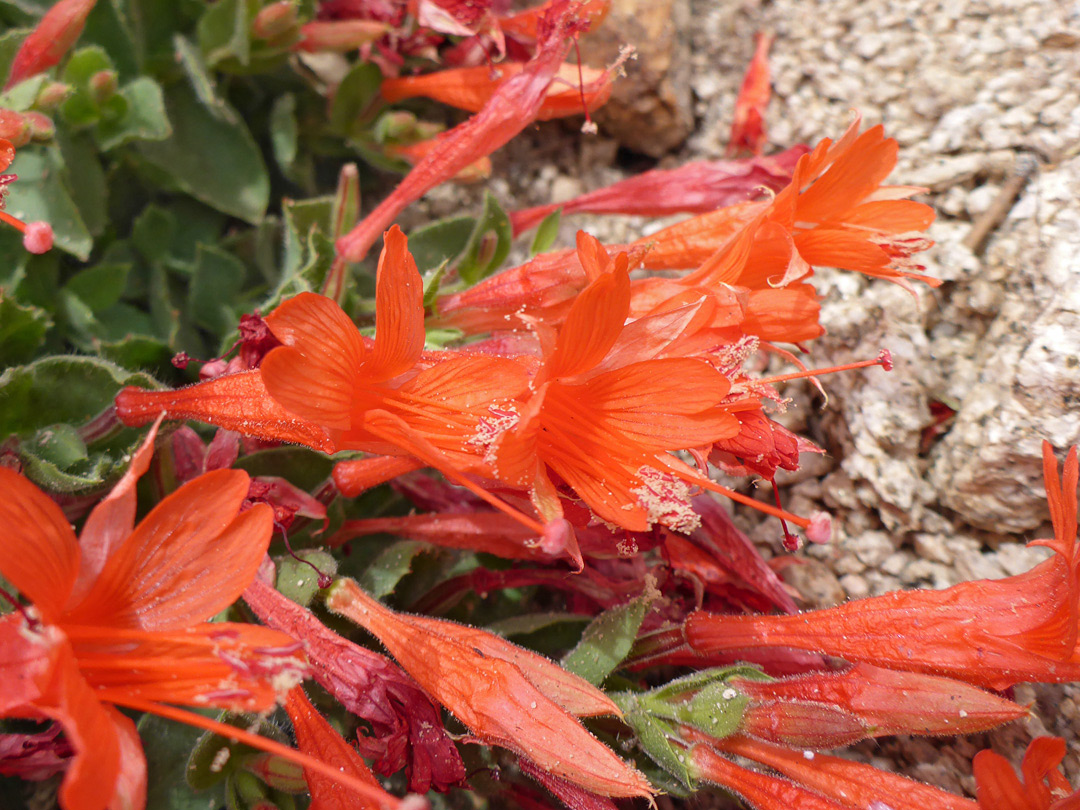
103, 85
38, 237
340, 36
42, 128
15, 128
275, 20
51, 95
277, 772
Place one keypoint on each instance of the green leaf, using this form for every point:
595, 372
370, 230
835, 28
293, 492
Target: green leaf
10, 42
529, 623
169, 744
214, 290
154, 23
57, 390
22, 330
153, 231
299, 581
59, 445
655, 737
608, 639
388, 569
546, 232
441, 241
199, 772
225, 32
107, 26
284, 132
22, 96
136, 351
84, 63
209, 156
145, 119
489, 243
100, 286
307, 469
353, 97
41, 194
85, 179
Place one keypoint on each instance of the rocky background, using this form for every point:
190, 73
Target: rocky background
933, 472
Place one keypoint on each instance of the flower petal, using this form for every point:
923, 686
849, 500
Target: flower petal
592, 325
190, 557
314, 375
997, 785
39, 554
399, 311
112, 520
235, 402
315, 736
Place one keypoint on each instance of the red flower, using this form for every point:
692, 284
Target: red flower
991, 633
50, 39
123, 620
512, 107
693, 188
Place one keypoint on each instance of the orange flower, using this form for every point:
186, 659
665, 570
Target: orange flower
988, 633
1043, 788
119, 618
236, 402
840, 215
760, 790
315, 736
470, 88
748, 128
504, 694
851, 784
829, 709
604, 424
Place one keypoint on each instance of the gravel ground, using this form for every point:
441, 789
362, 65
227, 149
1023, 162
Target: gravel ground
983, 99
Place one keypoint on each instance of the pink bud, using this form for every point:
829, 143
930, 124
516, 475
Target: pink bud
103, 84
14, 128
38, 237
42, 128
51, 95
274, 20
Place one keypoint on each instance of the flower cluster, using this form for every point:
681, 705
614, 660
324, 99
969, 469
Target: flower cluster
550, 439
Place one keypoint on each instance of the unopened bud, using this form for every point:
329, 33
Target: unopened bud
340, 36
42, 128
802, 725
277, 772
38, 237
103, 85
489, 242
51, 95
14, 128
275, 20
